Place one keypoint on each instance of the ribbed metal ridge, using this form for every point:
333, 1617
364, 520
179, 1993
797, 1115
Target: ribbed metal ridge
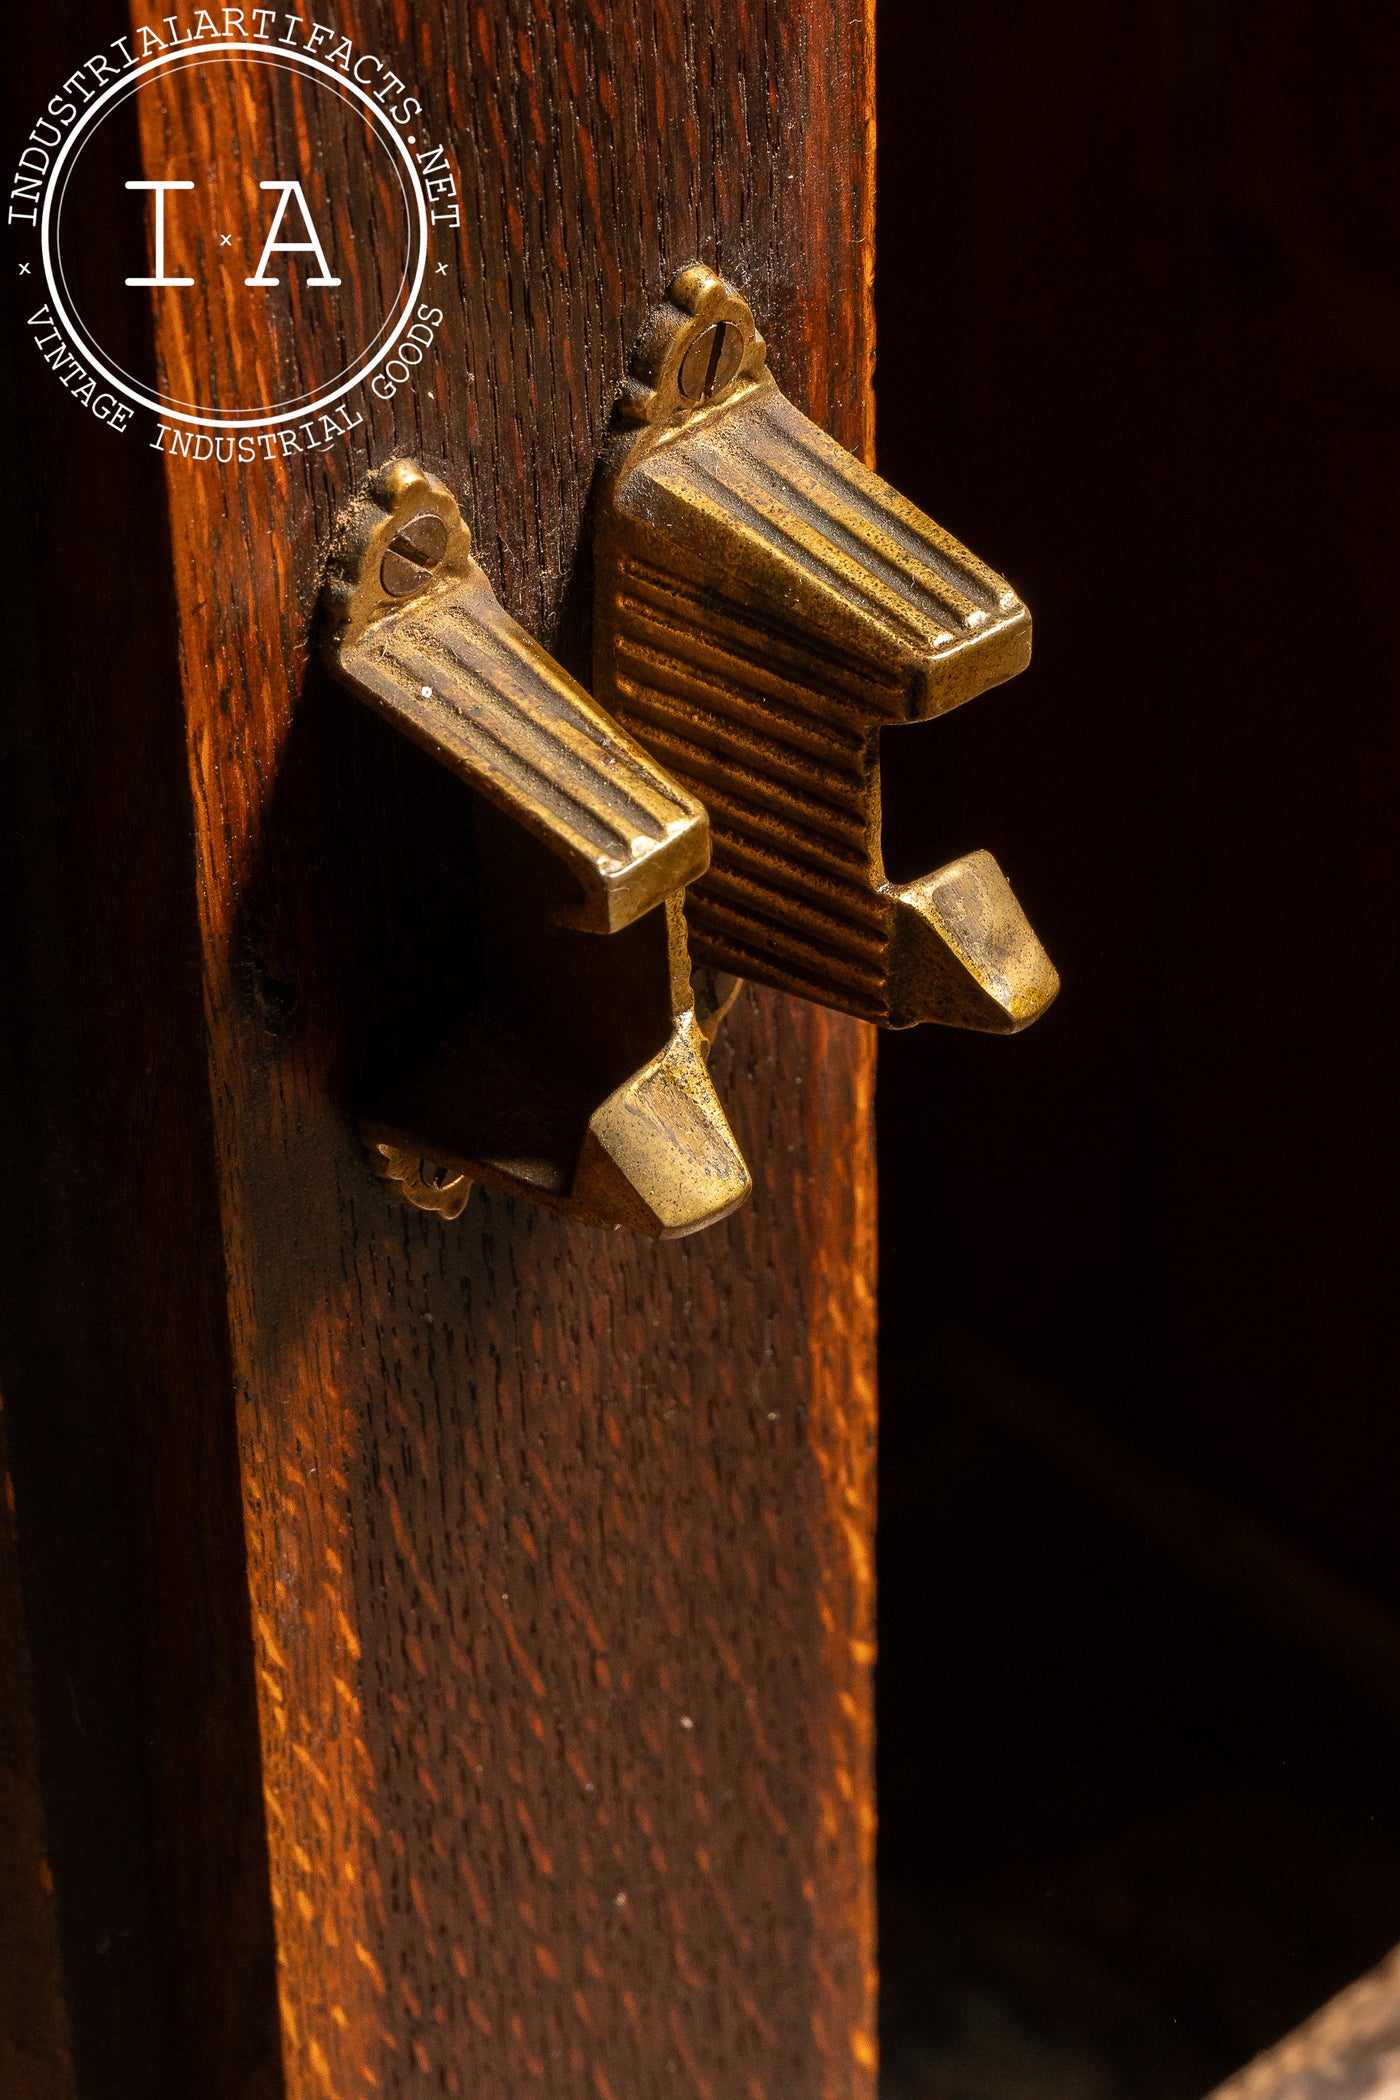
765, 605
469, 683
765, 471
756, 723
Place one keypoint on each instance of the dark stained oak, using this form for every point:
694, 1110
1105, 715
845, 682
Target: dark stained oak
487, 1606
34, 2056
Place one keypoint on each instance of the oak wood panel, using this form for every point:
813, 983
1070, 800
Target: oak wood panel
557, 1543
113, 1319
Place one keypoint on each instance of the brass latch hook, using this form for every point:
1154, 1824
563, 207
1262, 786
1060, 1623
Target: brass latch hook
582, 1083
765, 606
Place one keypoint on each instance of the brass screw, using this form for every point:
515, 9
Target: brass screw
413, 554
711, 361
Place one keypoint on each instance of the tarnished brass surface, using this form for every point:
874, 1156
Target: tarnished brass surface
417, 630
581, 1082
583, 1086
714, 994
765, 606
421, 1182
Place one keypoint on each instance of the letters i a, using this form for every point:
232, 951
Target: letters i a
272, 246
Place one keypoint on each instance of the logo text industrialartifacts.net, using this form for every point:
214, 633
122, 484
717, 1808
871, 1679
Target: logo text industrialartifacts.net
276, 264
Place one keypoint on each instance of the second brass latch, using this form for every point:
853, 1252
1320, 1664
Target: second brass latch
766, 606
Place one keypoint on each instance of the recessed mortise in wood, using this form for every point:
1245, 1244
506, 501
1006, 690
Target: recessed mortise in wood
582, 1082
765, 605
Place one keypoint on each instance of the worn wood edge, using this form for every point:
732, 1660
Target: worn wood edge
868, 206
859, 1327
843, 1339
844, 1422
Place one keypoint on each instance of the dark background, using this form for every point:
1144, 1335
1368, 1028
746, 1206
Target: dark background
1138, 299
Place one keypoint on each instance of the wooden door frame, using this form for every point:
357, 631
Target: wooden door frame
228, 1481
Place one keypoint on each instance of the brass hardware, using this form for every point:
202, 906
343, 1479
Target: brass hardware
421, 1182
765, 606
715, 992
582, 1082
416, 630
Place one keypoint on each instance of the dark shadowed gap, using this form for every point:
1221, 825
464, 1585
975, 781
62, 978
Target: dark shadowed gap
1134, 1826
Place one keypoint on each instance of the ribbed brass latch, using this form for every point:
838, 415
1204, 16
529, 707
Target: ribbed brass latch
582, 1081
766, 605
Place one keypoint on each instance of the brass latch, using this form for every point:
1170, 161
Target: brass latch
765, 606
582, 1082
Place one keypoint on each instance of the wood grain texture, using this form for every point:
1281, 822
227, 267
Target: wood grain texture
113, 1316
558, 1544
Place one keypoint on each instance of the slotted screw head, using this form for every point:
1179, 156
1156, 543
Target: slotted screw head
413, 554
711, 361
